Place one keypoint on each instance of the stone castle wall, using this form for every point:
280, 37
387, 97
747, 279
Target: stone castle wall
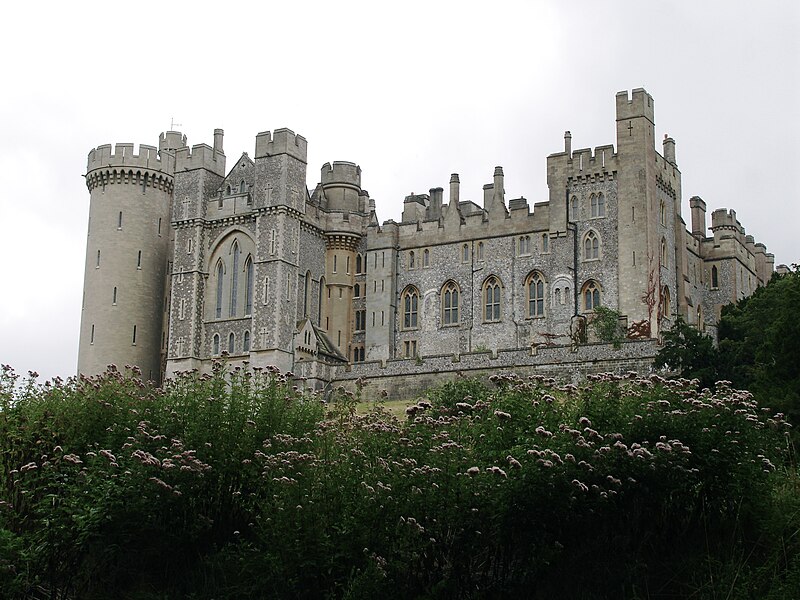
404, 379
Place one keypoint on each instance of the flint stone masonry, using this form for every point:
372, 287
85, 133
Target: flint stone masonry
250, 262
408, 378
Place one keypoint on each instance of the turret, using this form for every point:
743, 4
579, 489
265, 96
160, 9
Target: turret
127, 250
341, 183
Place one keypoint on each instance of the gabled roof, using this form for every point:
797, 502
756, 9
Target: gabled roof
325, 348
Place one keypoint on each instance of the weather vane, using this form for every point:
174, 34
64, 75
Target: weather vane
173, 124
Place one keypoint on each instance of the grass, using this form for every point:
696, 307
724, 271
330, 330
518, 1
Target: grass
396, 407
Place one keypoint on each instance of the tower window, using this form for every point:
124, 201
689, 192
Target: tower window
246, 341
215, 345
426, 258
410, 307
545, 243
231, 343
119, 220
139, 260
491, 300
450, 303
714, 277
97, 264
114, 296
535, 289
248, 286
133, 341
598, 205
591, 296
234, 280
591, 246
91, 336
220, 274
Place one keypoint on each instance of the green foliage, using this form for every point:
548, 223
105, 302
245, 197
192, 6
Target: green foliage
759, 343
605, 323
232, 485
689, 352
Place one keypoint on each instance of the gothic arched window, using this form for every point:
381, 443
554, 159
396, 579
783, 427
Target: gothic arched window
426, 258
231, 343
598, 205
591, 295
714, 277
450, 300
246, 341
215, 345
220, 276
591, 246
248, 286
666, 310
491, 299
410, 304
535, 290
234, 279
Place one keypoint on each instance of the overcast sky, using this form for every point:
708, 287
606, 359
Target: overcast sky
412, 91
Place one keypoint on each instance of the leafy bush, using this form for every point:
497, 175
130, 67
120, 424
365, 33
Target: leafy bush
234, 485
606, 325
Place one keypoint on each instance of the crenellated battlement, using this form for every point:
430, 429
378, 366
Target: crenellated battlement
585, 162
722, 219
126, 155
636, 104
341, 173
171, 140
200, 156
281, 141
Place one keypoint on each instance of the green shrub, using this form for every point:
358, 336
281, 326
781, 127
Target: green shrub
233, 485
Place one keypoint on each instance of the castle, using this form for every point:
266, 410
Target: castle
187, 261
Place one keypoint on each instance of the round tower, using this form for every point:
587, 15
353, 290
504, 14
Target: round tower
127, 253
